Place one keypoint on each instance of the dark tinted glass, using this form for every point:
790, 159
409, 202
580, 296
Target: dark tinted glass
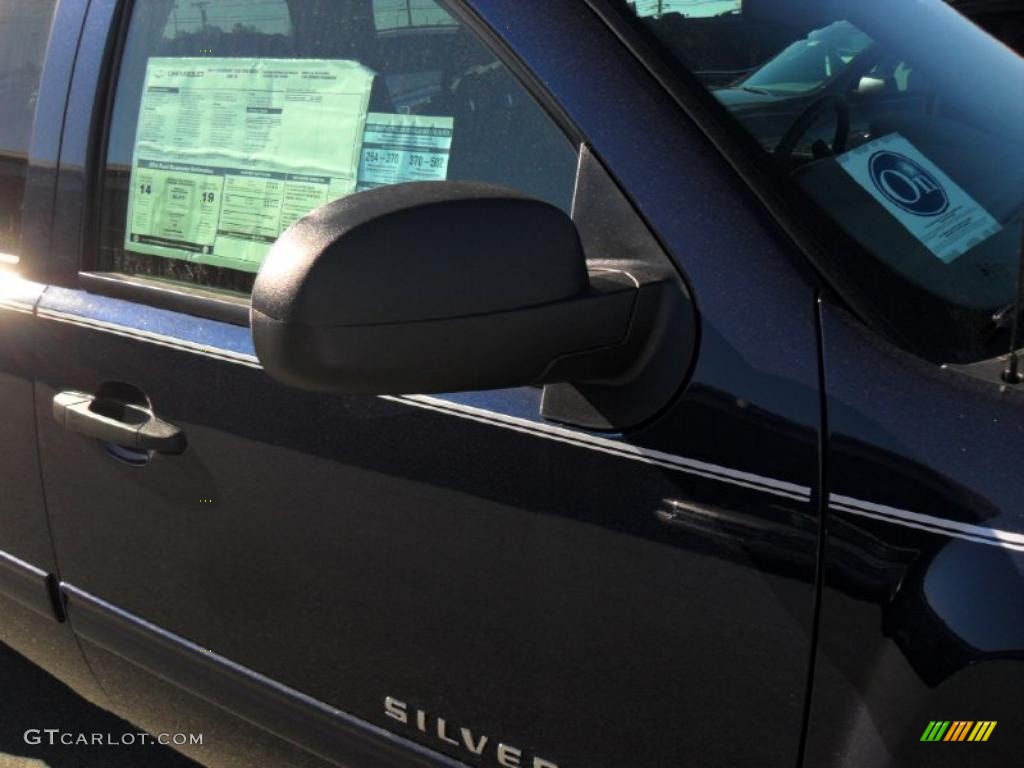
254, 112
901, 122
24, 29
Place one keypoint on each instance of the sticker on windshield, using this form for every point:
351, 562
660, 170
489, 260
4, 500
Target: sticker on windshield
229, 152
933, 208
398, 148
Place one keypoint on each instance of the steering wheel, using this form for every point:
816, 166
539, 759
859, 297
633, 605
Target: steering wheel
807, 118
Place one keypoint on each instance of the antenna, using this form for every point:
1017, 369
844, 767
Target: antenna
1012, 373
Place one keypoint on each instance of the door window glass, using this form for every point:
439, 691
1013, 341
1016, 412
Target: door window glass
24, 30
234, 118
902, 123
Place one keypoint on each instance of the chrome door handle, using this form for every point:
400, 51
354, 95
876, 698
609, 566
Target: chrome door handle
125, 424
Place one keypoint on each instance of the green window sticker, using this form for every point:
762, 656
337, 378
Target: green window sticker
229, 152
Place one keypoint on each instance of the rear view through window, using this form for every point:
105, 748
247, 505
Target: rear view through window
914, 148
234, 119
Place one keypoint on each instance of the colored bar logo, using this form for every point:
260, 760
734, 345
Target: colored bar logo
958, 730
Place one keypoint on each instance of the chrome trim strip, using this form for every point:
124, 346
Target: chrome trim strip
610, 447
10, 305
296, 717
21, 565
26, 584
156, 338
976, 533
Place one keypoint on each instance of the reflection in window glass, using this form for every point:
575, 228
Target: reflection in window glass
809, 62
403, 14
693, 9
190, 18
234, 118
904, 125
24, 29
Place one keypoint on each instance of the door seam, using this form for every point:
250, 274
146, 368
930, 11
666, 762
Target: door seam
821, 491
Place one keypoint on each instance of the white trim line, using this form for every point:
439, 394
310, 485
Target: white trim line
11, 305
157, 338
16, 562
608, 446
977, 533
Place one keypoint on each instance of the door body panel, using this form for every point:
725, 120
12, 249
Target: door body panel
923, 609
588, 599
23, 534
23, 527
30, 618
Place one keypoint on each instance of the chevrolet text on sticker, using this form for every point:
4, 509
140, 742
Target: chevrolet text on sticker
932, 207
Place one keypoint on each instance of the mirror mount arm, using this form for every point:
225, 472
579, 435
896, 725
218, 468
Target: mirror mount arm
613, 389
627, 386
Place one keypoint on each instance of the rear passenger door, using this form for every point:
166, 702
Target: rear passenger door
414, 580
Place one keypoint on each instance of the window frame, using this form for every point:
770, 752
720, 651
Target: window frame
45, 140
101, 68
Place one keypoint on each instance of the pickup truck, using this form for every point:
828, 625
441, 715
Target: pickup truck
391, 383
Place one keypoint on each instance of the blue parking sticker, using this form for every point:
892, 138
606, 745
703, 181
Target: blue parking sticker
932, 207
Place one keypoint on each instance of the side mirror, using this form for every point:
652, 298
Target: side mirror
431, 287
444, 287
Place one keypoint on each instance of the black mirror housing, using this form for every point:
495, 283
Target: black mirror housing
418, 252
432, 287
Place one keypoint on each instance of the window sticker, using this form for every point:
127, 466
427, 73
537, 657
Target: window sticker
690, 8
932, 207
398, 148
229, 152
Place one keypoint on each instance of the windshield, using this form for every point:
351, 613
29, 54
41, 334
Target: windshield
902, 125
810, 62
